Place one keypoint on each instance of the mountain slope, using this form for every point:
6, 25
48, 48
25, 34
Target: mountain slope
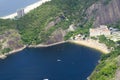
105, 12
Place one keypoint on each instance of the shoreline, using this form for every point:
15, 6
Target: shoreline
92, 44
87, 43
27, 9
45, 45
3, 56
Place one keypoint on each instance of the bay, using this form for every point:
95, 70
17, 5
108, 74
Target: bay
60, 62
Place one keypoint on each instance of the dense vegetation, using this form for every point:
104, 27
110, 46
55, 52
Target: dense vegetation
109, 63
108, 42
6, 50
32, 26
6, 25
81, 29
107, 67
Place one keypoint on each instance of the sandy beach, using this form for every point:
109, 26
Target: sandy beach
26, 9
92, 44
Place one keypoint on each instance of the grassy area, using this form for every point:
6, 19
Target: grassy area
108, 42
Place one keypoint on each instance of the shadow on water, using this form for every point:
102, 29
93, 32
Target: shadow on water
60, 62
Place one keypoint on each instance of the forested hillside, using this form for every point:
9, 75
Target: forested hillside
62, 13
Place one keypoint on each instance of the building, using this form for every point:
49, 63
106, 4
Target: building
102, 30
115, 36
20, 13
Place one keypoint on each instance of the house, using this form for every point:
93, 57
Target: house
102, 30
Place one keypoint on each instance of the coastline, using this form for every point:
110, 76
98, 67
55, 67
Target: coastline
3, 56
88, 43
92, 44
26, 9
45, 45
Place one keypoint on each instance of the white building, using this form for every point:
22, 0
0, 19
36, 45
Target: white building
115, 36
102, 30
20, 13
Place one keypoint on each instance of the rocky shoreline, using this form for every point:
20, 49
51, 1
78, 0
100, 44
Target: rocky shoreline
3, 56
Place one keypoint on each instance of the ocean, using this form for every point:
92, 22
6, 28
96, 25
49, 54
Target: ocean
11, 6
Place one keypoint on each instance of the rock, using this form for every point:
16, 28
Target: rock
104, 13
2, 56
53, 23
11, 39
117, 77
71, 27
57, 36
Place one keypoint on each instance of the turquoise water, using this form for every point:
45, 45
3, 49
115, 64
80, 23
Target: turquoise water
61, 62
10, 6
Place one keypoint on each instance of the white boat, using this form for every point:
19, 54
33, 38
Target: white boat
58, 60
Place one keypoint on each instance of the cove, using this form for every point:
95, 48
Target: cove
60, 62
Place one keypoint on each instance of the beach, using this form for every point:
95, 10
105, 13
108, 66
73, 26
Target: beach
92, 44
26, 9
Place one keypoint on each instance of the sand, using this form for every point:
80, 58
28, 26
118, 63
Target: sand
92, 44
26, 9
